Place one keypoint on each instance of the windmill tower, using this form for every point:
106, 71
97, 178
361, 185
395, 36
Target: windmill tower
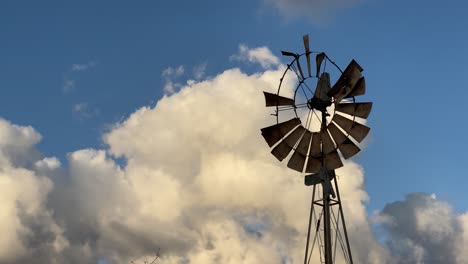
318, 125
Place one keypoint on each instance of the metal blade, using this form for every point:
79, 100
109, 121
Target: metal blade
307, 52
312, 179
318, 60
274, 133
354, 129
361, 110
303, 146
323, 86
346, 82
276, 100
348, 149
338, 136
315, 150
287, 53
332, 160
297, 162
300, 68
359, 88
282, 150
313, 165
327, 143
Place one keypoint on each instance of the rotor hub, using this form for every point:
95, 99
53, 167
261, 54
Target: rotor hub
318, 104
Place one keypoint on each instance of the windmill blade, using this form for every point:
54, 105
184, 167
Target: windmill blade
323, 86
346, 82
348, 149
338, 136
315, 150
303, 146
274, 133
359, 88
282, 150
332, 160
318, 60
276, 100
361, 110
313, 165
297, 162
327, 143
289, 54
307, 52
354, 129
299, 68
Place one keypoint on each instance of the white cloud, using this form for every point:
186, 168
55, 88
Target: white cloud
68, 85
82, 67
170, 76
27, 225
423, 229
199, 71
83, 111
69, 82
261, 55
197, 175
318, 11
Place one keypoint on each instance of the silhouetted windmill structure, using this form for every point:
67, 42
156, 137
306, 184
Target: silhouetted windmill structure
314, 130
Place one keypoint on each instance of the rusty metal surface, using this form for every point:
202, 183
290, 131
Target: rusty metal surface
282, 150
332, 160
327, 143
354, 129
303, 146
297, 162
313, 165
359, 88
346, 82
277, 100
323, 86
337, 135
348, 149
307, 52
355, 109
300, 68
274, 133
315, 150
318, 60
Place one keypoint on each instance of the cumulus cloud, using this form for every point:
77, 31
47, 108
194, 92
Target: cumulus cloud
317, 11
260, 55
423, 229
198, 182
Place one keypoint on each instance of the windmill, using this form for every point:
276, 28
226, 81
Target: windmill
318, 125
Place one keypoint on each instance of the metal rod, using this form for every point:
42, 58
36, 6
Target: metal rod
343, 221
326, 205
327, 229
310, 223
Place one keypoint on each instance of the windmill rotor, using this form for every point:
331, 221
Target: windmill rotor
318, 125
342, 127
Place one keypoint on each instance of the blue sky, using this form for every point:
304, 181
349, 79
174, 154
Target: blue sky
413, 52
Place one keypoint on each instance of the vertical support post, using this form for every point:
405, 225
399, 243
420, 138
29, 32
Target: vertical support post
327, 229
326, 204
310, 223
343, 221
